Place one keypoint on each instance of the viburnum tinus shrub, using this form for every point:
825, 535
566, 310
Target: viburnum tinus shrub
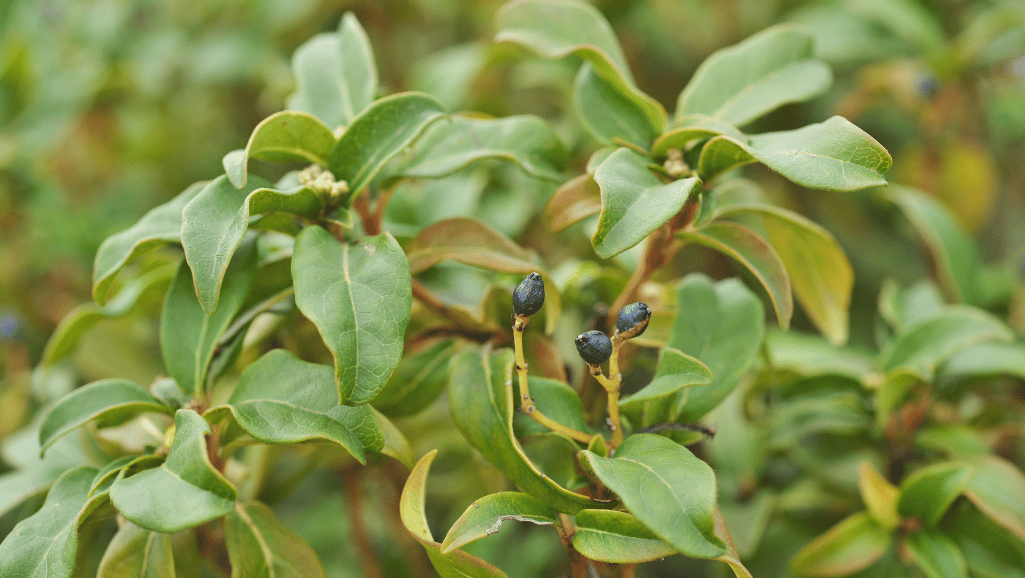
313, 320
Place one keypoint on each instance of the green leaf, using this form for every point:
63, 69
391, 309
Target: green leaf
634, 201
692, 127
137, 552
45, 545
833, 155
821, 276
953, 251
417, 381
809, 355
743, 82
455, 564
558, 28
998, 489
927, 344
936, 555
283, 137
188, 336
880, 496
281, 399
336, 77
852, 545
157, 227
184, 491
667, 488
359, 297
991, 552
216, 221
754, 253
395, 443
617, 537
111, 401
721, 324
609, 114
675, 371
558, 401
525, 140
928, 493
379, 133
482, 408
485, 516
577, 199
261, 546
986, 359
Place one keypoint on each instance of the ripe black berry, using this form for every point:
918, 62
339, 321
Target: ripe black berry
633, 319
594, 347
529, 295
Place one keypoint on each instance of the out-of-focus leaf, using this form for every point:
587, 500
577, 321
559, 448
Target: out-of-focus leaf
111, 401
157, 227
743, 82
634, 201
997, 488
852, 545
283, 399
359, 297
485, 516
617, 537
927, 493
395, 443
675, 371
188, 336
609, 114
936, 555
260, 545
833, 155
336, 77
558, 401
379, 133
809, 355
417, 381
904, 307
756, 254
731, 557
577, 199
455, 564
668, 489
283, 137
137, 552
184, 491
986, 359
989, 550
525, 140
879, 495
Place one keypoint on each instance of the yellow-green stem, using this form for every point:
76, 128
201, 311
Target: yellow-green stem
612, 387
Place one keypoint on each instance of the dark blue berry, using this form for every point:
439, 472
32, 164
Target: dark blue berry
633, 319
594, 347
529, 295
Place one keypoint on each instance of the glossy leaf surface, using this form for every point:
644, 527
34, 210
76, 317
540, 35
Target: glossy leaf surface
484, 517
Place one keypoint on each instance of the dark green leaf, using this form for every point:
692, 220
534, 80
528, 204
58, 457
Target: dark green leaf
743, 82
259, 545
112, 401
936, 555
609, 114
634, 201
852, 545
617, 537
379, 133
184, 491
928, 493
359, 297
675, 371
139, 553
455, 564
667, 488
157, 227
417, 381
282, 399
283, 137
485, 516
558, 401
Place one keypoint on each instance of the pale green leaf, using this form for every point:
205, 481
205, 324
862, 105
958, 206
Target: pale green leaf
675, 371
261, 546
484, 517
609, 114
852, 545
283, 137
139, 553
997, 488
936, 555
617, 537
692, 127
927, 493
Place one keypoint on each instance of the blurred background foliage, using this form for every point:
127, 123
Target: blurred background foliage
110, 107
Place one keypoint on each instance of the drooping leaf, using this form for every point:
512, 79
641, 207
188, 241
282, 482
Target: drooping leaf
480, 396
577, 199
554, 29
417, 381
743, 82
852, 545
756, 254
617, 537
379, 133
283, 399
485, 516
675, 371
359, 297
525, 140
182, 492
111, 401
261, 546
188, 336
880, 496
336, 76
634, 201
821, 276
833, 155
455, 564
609, 114
283, 137
667, 488
45, 545
157, 227
721, 324
927, 493
936, 555
997, 488
137, 552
